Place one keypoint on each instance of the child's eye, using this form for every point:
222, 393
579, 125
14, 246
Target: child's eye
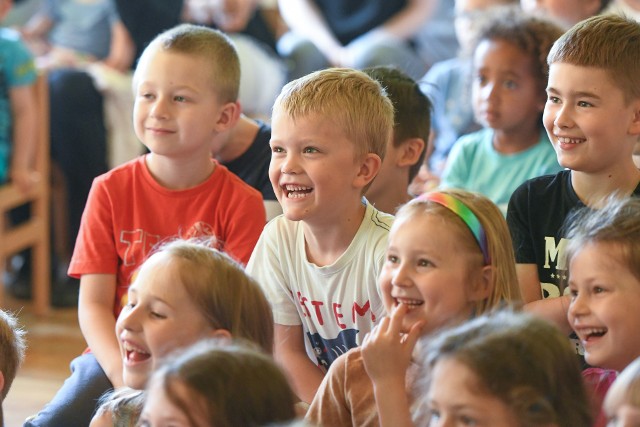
573, 293
598, 289
584, 104
468, 421
392, 259
553, 99
179, 98
147, 95
480, 79
510, 84
276, 149
158, 315
308, 150
424, 263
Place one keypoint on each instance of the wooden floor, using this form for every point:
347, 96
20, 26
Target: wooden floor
52, 343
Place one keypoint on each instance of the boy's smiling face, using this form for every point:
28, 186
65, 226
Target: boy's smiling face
314, 168
177, 112
589, 123
605, 296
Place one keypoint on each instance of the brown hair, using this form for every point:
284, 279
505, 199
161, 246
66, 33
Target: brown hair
524, 361
12, 348
124, 404
504, 282
412, 108
227, 296
533, 35
206, 43
232, 384
608, 42
345, 98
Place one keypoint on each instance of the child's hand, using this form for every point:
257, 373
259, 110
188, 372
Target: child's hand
386, 351
24, 178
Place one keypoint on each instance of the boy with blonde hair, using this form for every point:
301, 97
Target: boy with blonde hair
318, 262
186, 89
592, 116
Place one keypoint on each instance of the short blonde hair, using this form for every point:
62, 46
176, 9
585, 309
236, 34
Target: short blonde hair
624, 390
608, 42
346, 98
12, 348
227, 296
206, 43
505, 290
123, 404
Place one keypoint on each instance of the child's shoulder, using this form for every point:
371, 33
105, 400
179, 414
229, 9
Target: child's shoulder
228, 181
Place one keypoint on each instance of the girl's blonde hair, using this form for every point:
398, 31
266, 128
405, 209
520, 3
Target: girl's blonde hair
504, 282
524, 361
624, 390
124, 404
226, 296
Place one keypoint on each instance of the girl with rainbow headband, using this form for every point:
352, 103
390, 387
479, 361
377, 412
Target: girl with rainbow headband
449, 258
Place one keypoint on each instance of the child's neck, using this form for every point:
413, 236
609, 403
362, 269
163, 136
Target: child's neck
517, 140
238, 140
180, 174
594, 188
394, 193
325, 242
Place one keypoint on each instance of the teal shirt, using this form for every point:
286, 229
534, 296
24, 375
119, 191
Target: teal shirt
475, 165
16, 69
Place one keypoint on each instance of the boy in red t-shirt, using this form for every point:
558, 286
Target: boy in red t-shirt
186, 88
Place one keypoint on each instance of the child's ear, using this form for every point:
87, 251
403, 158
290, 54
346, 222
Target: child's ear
369, 168
634, 128
412, 148
221, 334
482, 287
229, 116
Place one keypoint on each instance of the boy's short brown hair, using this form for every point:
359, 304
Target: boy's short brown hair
412, 108
209, 44
608, 42
346, 98
12, 348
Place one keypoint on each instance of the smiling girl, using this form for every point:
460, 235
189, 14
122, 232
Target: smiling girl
183, 293
449, 258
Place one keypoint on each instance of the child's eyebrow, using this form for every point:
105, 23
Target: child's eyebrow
578, 94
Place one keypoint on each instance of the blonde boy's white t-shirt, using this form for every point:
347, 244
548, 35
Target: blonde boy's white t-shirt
336, 304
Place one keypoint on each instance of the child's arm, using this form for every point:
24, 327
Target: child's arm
386, 353
122, 49
24, 111
552, 309
290, 352
97, 322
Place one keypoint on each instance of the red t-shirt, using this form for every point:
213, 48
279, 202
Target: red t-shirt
128, 212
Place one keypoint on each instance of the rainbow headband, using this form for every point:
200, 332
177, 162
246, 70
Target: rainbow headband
466, 215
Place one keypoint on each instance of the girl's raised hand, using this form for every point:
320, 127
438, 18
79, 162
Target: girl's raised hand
386, 343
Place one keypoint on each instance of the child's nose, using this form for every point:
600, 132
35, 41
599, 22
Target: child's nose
578, 306
128, 319
289, 165
160, 108
563, 118
401, 277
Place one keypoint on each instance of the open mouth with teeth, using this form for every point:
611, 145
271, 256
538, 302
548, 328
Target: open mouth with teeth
565, 140
135, 354
409, 302
296, 191
592, 333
